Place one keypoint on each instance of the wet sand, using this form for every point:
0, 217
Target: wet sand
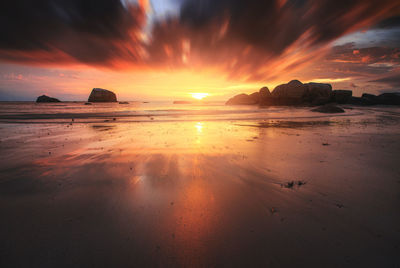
202, 193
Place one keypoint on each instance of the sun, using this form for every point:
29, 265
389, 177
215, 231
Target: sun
199, 96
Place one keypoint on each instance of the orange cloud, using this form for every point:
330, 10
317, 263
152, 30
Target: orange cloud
243, 40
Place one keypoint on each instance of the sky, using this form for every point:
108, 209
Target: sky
170, 49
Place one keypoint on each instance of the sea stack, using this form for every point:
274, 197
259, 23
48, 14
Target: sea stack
45, 98
102, 95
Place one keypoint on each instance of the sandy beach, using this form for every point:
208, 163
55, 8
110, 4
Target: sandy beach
301, 190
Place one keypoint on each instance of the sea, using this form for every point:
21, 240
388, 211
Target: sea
134, 111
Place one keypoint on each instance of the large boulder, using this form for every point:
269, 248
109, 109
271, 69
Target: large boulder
389, 98
293, 89
256, 96
357, 101
317, 93
266, 98
45, 98
244, 99
296, 92
342, 96
289, 94
329, 109
365, 99
265, 93
369, 99
102, 95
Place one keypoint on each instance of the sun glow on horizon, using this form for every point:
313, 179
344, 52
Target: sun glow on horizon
199, 96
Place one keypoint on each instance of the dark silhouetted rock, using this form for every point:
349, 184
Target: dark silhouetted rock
123, 102
295, 93
329, 109
270, 101
289, 94
45, 98
342, 96
356, 101
365, 100
294, 89
370, 99
102, 95
287, 101
243, 99
256, 96
182, 102
265, 93
266, 98
389, 98
88, 103
317, 93
320, 101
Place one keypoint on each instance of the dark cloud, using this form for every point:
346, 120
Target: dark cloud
274, 25
245, 38
85, 30
373, 56
393, 80
389, 23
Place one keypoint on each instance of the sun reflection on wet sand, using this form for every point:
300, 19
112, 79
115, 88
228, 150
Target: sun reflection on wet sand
199, 127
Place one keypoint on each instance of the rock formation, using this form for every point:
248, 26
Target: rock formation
292, 93
243, 99
102, 95
389, 98
341, 96
45, 98
328, 108
265, 93
312, 94
294, 90
317, 93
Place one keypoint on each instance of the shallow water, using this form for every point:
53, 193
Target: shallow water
30, 112
198, 186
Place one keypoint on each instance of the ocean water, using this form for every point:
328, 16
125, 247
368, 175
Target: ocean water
31, 112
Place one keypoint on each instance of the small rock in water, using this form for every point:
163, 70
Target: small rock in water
328, 109
45, 98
